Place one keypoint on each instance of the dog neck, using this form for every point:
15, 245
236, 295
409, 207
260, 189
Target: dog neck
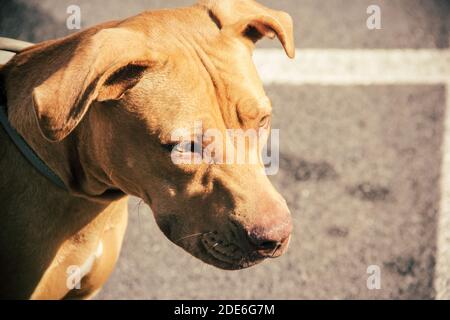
64, 159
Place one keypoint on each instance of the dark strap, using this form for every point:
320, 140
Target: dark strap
27, 152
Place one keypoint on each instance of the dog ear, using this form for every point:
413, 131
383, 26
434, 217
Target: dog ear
100, 68
253, 21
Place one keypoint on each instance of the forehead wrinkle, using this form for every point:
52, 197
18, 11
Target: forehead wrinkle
243, 94
225, 110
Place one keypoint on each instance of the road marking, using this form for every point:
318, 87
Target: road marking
354, 67
442, 269
5, 56
349, 67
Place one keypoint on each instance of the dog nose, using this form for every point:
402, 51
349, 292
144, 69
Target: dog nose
270, 242
269, 235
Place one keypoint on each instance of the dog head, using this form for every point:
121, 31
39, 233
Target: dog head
124, 88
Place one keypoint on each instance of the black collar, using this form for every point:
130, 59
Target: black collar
26, 150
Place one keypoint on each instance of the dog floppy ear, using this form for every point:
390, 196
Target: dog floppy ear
252, 21
100, 68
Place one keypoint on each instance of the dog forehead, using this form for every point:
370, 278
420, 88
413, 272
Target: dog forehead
208, 72
189, 33
218, 96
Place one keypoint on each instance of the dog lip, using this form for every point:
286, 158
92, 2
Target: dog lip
231, 262
212, 249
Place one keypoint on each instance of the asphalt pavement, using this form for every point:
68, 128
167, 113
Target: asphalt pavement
360, 166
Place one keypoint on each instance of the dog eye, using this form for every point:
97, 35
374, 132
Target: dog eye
265, 122
183, 147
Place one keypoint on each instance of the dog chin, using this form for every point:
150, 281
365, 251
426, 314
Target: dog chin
230, 266
208, 256
206, 250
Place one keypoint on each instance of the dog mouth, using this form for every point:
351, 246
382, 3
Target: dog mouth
213, 247
210, 247
226, 255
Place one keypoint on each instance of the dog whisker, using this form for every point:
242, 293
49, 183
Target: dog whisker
138, 205
241, 261
193, 235
274, 251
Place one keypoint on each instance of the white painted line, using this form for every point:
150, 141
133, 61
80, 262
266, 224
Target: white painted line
442, 269
5, 56
354, 67
348, 67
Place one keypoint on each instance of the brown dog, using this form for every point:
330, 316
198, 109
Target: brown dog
98, 107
